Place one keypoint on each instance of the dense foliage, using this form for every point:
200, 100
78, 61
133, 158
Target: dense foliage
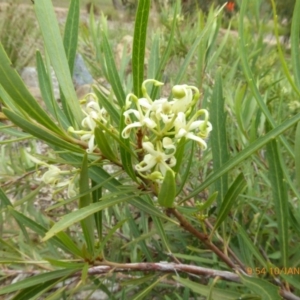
175, 175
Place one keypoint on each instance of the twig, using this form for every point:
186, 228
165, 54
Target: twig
164, 267
203, 238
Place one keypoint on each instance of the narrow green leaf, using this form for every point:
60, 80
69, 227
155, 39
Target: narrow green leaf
76, 216
150, 209
112, 71
186, 174
142, 294
15, 87
204, 290
281, 53
295, 51
38, 279
137, 240
244, 154
87, 224
103, 144
5, 203
55, 49
234, 191
218, 136
167, 52
211, 199
139, 45
96, 196
193, 48
35, 291
240, 94
57, 294
250, 246
62, 240
179, 155
47, 92
153, 64
110, 234
71, 33
167, 191
263, 288
40, 132
126, 156
65, 264
251, 80
280, 198
161, 232
297, 154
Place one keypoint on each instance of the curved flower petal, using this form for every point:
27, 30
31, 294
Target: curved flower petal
198, 139
183, 97
168, 144
126, 130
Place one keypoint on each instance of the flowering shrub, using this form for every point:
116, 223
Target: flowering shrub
163, 123
163, 215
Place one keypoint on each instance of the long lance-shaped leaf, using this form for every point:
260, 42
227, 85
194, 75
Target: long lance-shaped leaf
55, 49
34, 280
62, 240
5, 203
297, 154
236, 188
166, 54
244, 154
295, 43
35, 292
41, 133
281, 54
193, 48
205, 290
126, 156
219, 137
82, 213
263, 288
280, 198
112, 72
167, 192
250, 246
139, 45
47, 93
71, 33
143, 293
96, 195
16, 89
87, 224
250, 79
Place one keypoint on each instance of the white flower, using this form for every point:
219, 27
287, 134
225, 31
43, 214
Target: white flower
158, 158
184, 129
94, 111
162, 110
93, 114
52, 175
183, 97
142, 117
56, 177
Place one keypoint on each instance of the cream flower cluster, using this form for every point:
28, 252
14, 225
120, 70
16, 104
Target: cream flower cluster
163, 124
93, 114
56, 177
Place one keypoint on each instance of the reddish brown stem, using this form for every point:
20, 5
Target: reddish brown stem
202, 237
